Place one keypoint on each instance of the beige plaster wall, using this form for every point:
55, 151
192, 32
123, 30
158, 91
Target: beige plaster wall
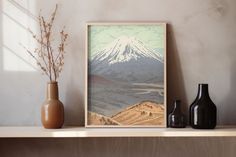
201, 49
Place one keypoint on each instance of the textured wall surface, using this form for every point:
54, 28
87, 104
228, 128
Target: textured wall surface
201, 49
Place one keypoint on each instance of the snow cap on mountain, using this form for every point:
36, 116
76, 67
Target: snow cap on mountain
124, 49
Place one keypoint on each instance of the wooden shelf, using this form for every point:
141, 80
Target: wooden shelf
39, 132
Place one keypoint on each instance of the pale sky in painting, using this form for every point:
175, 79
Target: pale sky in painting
152, 36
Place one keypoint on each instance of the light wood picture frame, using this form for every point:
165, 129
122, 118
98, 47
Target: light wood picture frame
125, 80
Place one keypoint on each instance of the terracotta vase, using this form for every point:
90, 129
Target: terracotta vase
52, 111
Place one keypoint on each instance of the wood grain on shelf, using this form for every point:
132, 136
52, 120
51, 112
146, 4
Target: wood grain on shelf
119, 147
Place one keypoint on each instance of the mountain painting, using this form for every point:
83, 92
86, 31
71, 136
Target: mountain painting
126, 82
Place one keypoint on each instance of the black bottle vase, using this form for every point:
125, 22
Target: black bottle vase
176, 118
202, 112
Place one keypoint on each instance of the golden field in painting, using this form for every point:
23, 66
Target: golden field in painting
144, 113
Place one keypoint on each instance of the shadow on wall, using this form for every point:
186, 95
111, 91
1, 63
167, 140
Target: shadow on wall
17, 67
74, 79
18, 77
1, 34
74, 100
226, 108
175, 80
16, 18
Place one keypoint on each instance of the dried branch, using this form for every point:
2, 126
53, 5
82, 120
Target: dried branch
37, 61
50, 62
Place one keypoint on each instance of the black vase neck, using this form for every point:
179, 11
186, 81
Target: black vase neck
177, 107
203, 91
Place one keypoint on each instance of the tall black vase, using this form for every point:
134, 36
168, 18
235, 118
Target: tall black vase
203, 110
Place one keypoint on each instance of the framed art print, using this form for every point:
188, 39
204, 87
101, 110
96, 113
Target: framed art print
126, 75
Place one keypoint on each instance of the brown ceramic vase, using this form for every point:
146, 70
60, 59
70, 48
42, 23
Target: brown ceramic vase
52, 111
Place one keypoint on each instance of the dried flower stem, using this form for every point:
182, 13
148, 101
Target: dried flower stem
49, 61
38, 62
42, 54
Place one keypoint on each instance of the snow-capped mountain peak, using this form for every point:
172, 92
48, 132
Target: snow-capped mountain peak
124, 49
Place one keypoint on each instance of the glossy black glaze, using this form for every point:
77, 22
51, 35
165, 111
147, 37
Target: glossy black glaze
202, 112
176, 118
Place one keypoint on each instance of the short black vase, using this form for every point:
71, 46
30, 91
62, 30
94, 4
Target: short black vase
202, 112
176, 118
